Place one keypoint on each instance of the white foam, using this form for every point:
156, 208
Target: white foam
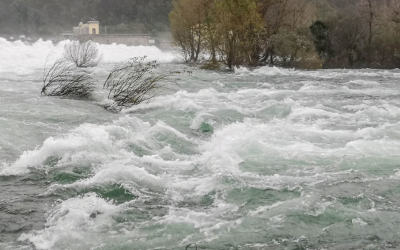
181, 100
365, 83
359, 222
120, 52
241, 70
71, 147
21, 58
94, 144
270, 71
208, 222
365, 148
199, 119
72, 220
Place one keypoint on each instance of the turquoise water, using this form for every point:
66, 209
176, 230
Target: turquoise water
266, 158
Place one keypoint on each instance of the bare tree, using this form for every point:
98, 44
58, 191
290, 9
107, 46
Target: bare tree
63, 79
368, 12
83, 55
133, 82
186, 27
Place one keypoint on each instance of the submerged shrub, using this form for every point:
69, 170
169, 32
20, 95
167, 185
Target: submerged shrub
63, 79
212, 65
133, 82
83, 55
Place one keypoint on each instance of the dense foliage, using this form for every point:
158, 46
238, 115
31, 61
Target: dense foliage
294, 33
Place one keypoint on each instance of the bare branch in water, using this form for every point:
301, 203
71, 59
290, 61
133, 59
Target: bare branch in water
190, 245
83, 55
134, 81
63, 79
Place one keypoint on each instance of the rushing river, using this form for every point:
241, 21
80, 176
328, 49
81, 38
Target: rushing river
264, 158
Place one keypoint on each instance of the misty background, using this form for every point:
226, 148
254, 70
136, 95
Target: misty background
49, 17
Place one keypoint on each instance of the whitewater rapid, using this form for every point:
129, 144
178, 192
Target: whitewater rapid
264, 158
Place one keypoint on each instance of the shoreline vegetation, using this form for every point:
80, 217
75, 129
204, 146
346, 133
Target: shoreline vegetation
301, 34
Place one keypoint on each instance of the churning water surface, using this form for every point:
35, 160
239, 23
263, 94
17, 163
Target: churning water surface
264, 158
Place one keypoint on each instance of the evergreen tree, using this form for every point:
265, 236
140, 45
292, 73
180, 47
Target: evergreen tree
320, 32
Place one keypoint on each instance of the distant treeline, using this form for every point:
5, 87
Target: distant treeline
292, 33
46, 17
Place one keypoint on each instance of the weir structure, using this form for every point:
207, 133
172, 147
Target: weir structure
91, 31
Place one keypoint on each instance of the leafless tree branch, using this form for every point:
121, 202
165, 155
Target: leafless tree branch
63, 79
82, 54
134, 81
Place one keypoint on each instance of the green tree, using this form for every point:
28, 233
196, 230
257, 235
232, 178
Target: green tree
211, 39
239, 28
283, 16
322, 42
296, 49
186, 21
